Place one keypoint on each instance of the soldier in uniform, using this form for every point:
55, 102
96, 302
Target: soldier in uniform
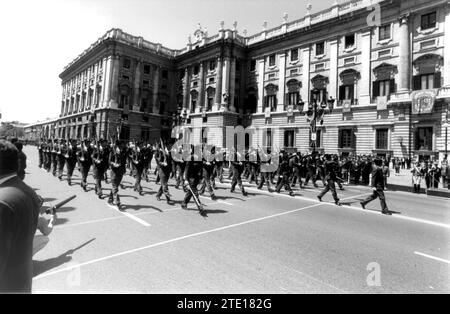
71, 159
330, 177
378, 188
192, 176
54, 157
163, 167
117, 163
208, 169
48, 155
237, 168
311, 170
85, 161
62, 150
264, 176
41, 147
100, 156
180, 166
295, 164
284, 172
138, 162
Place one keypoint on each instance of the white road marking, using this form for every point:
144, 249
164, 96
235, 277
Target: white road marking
139, 220
218, 201
433, 257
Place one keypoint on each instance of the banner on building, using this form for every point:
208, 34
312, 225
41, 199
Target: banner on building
423, 101
347, 105
382, 103
290, 111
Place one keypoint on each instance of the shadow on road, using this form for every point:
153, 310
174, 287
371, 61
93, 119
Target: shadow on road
140, 207
40, 267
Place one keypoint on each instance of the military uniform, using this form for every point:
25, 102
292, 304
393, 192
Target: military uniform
330, 177
117, 163
164, 167
378, 189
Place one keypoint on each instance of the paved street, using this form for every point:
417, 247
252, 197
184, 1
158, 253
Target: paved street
263, 243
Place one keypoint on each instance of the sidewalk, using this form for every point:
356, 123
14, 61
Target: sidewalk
403, 182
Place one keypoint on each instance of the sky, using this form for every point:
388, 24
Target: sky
40, 37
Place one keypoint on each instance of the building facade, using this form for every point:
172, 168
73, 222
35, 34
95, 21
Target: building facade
385, 63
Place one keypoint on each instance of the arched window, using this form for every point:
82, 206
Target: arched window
427, 70
384, 83
270, 100
251, 103
194, 99
349, 80
210, 94
293, 93
319, 93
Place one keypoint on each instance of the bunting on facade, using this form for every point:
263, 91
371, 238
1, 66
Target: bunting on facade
423, 101
346, 105
382, 103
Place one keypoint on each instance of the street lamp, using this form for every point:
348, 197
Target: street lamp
315, 113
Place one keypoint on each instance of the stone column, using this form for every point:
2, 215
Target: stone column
114, 82
186, 84
446, 69
261, 68
305, 79
366, 69
232, 87
156, 90
281, 83
226, 82
137, 84
201, 89
332, 87
404, 64
218, 98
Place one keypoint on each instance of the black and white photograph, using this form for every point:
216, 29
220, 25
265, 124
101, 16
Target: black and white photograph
208, 148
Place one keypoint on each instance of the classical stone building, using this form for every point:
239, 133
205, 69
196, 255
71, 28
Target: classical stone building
386, 63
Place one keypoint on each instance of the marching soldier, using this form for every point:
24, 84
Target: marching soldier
100, 156
378, 188
138, 161
48, 155
53, 157
330, 177
163, 167
85, 161
71, 160
295, 164
192, 176
208, 169
237, 168
284, 171
117, 163
264, 175
61, 159
41, 147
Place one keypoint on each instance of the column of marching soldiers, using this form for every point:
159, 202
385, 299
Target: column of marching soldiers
198, 174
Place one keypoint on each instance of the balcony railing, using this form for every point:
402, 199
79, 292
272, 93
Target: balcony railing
354, 102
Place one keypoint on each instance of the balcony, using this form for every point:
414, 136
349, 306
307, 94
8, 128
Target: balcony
353, 102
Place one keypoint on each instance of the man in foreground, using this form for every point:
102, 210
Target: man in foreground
19, 211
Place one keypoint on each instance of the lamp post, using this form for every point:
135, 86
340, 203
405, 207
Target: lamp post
315, 114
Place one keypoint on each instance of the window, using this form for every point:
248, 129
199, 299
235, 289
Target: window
211, 80
209, 103
83, 101
125, 77
427, 81
381, 139
196, 70
346, 92
126, 63
289, 137
385, 88
318, 138
272, 60
349, 41
428, 21
293, 98
267, 138
253, 65
147, 69
384, 32
346, 139
204, 135
164, 74
294, 54
271, 102
162, 107
145, 83
212, 65
320, 49
320, 66
294, 72
97, 97
124, 101
91, 98
424, 138
144, 104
